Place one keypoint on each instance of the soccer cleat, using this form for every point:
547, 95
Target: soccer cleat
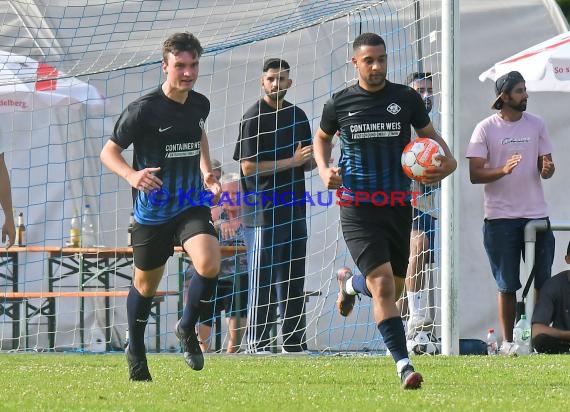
344, 302
191, 348
138, 367
410, 378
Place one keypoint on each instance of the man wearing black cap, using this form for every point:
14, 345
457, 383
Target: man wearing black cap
551, 317
509, 153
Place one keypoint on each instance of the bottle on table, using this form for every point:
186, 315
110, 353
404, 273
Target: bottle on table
89, 233
75, 230
492, 344
20, 231
521, 336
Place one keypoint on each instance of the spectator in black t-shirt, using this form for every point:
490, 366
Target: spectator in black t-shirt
551, 317
274, 151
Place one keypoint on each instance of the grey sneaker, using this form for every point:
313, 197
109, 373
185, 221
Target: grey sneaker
138, 367
344, 301
410, 378
191, 348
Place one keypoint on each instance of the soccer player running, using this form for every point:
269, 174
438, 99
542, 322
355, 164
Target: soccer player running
374, 117
166, 128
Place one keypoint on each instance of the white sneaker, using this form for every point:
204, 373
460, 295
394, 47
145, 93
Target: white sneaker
418, 323
258, 352
508, 349
300, 353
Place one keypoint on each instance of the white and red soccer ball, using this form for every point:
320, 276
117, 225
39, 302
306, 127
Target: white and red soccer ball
418, 156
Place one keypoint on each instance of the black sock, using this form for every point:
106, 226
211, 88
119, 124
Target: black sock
199, 289
138, 311
392, 331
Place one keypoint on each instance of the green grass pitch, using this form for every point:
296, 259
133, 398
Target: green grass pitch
63, 382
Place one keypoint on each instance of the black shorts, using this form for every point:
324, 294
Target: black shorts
154, 244
376, 235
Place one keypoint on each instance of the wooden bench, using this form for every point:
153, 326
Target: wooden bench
47, 308
88, 264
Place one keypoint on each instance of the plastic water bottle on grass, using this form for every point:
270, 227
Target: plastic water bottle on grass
492, 344
521, 336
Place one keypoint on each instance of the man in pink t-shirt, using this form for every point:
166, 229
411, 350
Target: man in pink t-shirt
510, 152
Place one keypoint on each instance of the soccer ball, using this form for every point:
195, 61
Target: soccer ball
419, 155
423, 343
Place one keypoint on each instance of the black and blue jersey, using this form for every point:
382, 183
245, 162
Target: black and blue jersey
374, 129
165, 134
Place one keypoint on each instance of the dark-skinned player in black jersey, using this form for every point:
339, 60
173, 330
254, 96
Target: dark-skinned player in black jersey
374, 117
171, 154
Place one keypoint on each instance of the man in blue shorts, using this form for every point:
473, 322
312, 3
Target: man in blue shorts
510, 152
171, 153
375, 117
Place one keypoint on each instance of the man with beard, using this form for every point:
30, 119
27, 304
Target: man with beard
509, 153
274, 150
375, 118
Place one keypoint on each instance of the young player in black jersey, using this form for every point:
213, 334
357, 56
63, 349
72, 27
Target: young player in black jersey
171, 153
374, 117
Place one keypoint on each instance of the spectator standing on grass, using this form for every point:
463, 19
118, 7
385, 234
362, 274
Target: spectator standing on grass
375, 117
510, 153
274, 151
171, 156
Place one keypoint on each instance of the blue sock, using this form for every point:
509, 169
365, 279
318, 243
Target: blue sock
392, 330
138, 311
199, 288
359, 285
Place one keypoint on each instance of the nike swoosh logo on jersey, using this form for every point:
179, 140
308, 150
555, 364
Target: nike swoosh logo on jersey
353, 113
160, 129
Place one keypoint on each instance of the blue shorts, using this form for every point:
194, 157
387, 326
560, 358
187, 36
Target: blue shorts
504, 244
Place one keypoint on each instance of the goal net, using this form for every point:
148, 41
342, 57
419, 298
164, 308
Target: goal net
67, 71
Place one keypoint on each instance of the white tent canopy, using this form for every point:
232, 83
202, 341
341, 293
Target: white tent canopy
545, 66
